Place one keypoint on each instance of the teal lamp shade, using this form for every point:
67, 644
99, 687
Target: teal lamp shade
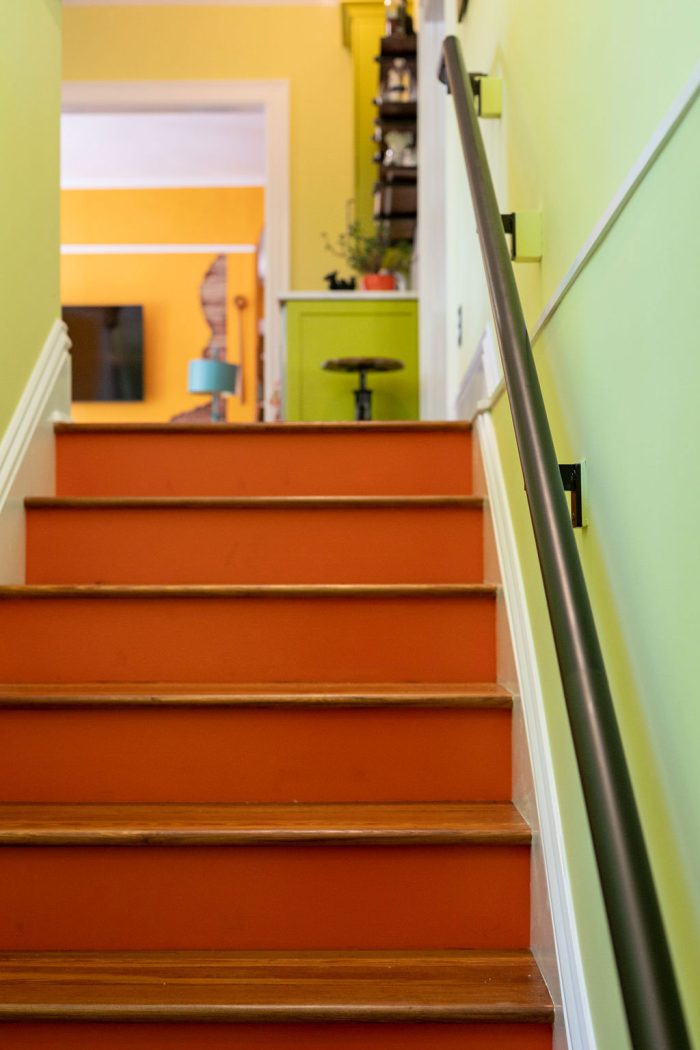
209, 376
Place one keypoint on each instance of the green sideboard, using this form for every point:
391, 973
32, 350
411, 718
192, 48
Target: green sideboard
319, 326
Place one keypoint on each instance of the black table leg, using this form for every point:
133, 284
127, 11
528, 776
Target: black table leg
363, 400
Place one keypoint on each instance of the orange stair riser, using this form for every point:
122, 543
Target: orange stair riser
212, 755
67, 1036
244, 640
431, 545
264, 897
263, 464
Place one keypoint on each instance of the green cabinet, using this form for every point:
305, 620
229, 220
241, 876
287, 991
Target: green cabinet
349, 324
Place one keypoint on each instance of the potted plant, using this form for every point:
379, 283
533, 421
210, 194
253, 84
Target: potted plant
372, 255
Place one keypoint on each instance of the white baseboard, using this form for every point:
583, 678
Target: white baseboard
566, 969
27, 448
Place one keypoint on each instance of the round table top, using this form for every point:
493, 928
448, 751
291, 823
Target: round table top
363, 364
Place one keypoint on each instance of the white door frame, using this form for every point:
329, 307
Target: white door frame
272, 97
432, 227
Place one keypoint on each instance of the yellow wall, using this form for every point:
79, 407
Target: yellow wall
166, 285
30, 47
363, 28
158, 216
301, 44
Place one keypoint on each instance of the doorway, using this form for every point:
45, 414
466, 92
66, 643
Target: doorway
135, 133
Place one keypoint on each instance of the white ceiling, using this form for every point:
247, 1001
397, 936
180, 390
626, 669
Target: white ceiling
132, 150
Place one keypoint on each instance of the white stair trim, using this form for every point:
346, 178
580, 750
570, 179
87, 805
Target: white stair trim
27, 447
576, 1006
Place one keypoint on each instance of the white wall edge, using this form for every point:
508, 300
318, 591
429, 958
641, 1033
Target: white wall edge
431, 242
27, 447
576, 1006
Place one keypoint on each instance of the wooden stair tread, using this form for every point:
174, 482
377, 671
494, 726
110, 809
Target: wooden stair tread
296, 695
250, 502
247, 824
274, 986
391, 426
218, 590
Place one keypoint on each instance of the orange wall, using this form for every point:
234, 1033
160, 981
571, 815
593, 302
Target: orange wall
166, 285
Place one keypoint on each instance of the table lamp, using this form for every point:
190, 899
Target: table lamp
207, 375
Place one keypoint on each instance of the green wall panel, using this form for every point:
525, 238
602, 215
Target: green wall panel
317, 331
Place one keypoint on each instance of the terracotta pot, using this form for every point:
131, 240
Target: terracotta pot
378, 282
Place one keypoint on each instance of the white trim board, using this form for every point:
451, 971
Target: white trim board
272, 96
161, 184
158, 249
27, 462
431, 248
576, 1007
348, 297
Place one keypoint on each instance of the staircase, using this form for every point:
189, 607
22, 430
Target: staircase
256, 767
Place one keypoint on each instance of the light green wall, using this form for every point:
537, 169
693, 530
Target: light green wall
585, 88
30, 47
621, 372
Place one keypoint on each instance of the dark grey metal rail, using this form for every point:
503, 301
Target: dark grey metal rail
649, 988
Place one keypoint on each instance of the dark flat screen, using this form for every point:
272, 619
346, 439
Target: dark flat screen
107, 352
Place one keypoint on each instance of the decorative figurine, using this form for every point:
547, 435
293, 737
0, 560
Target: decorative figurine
339, 284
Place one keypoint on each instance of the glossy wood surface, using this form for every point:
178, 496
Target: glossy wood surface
252, 502
311, 428
478, 696
286, 986
260, 592
373, 823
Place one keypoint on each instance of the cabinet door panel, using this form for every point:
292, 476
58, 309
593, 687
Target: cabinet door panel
317, 331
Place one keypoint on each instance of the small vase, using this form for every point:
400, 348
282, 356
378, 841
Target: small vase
378, 282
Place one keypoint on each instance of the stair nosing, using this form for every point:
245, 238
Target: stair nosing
450, 985
38, 824
476, 696
370, 427
260, 591
253, 502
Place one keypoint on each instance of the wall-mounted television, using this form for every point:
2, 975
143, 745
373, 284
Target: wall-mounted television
107, 352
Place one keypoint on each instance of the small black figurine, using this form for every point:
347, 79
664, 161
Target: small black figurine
338, 284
